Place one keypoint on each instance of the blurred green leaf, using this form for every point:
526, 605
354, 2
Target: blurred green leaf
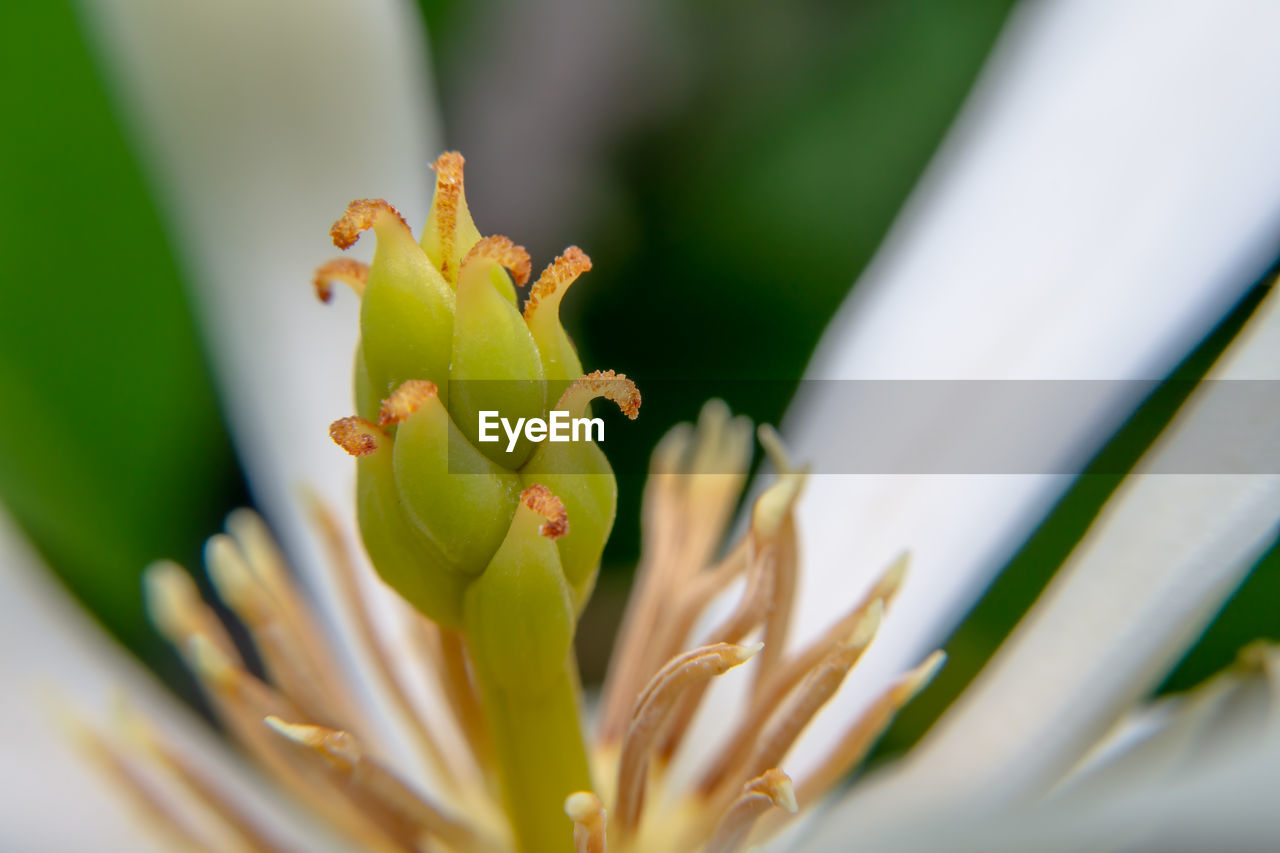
116, 452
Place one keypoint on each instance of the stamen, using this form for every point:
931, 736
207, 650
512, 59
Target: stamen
406, 400
374, 783
769, 790
228, 681
602, 383
861, 618
201, 787
356, 436
349, 271
775, 505
673, 618
293, 623
1256, 658
361, 215
891, 581
636, 648
460, 690
336, 747
588, 816
651, 710
750, 611
694, 483
757, 746
539, 499
555, 280
302, 679
242, 702
178, 612
707, 584
235, 583
360, 610
909, 685
239, 699
786, 567
776, 450
856, 742
507, 254
157, 810
269, 567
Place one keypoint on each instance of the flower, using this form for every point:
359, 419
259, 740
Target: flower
495, 567
1242, 223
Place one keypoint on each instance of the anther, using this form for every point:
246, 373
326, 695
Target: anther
766, 734
852, 746
775, 449
859, 627
235, 582
588, 816
211, 663
176, 609
772, 789
338, 748
652, 708
917, 679
373, 784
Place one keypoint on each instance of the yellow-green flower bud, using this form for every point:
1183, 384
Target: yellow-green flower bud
404, 558
542, 313
498, 539
460, 500
406, 314
442, 341
496, 364
579, 474
450, 231
368, 400
519, 615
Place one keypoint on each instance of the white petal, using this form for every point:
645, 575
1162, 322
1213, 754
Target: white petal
1226, 806
54, 661
1107, 194
260, 122
1164, 555
1235, 712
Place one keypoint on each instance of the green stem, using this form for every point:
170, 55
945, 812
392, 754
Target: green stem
541, 757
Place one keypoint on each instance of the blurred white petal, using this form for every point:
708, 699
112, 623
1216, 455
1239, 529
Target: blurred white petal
1232, 714
258, 123
56, 661
1164, 555
1227, 806
1107, 194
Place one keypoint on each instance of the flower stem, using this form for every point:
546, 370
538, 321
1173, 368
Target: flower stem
541, 757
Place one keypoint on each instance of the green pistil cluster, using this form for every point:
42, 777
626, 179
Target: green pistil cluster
499, 543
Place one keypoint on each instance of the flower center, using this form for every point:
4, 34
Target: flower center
491, 550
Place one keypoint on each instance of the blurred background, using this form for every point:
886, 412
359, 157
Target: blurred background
729, 166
